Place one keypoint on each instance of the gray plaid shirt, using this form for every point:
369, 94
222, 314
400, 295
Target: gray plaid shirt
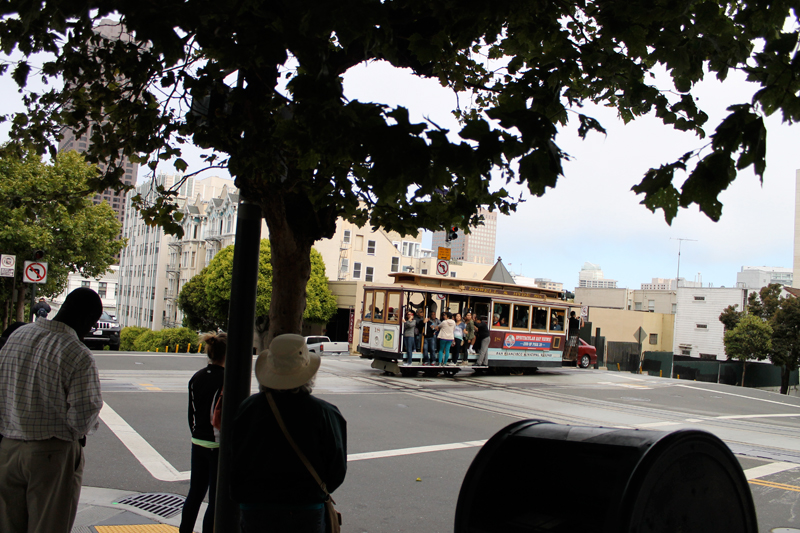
49, 384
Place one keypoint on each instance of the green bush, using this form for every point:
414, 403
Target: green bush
182, 337
144, 340
128, 336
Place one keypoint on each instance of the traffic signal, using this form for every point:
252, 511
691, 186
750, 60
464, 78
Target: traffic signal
38, 255
453, 235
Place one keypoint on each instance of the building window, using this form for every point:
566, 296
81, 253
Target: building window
686, 351
424, 271
369, 273
699, 298
395, 264
345, 265
346, 236
654, 338
674, 308
638, 306
102, 290
370, 247
86, 284
708, 356
651, 305
396, 245
356, 270
452, 274
702, 326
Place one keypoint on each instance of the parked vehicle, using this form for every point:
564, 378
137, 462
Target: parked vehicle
104, 333
325, 346
587, 354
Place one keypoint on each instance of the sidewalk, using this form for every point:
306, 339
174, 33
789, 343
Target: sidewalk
119, 511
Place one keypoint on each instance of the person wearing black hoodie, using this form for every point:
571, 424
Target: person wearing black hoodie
205, 388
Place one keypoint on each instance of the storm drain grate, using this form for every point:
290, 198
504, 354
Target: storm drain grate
159, 503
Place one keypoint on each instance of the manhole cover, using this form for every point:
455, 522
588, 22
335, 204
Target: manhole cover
634, 399
159, 503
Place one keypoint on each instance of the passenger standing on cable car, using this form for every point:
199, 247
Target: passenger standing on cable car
409, 327
458, 338
482, 337
431, 325
469, 336
446, 335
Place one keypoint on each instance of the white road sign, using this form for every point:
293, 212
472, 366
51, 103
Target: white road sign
442, 267
34, 272
7, 263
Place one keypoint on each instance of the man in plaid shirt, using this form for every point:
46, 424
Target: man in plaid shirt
49, 401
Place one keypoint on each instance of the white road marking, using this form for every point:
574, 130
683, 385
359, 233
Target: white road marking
737, 395
415, 450
162, 470
765, 470
657, 424
735, 417
159, 468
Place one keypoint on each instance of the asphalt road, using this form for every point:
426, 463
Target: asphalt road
411, 440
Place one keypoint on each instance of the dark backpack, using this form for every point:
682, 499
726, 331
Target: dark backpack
42, 312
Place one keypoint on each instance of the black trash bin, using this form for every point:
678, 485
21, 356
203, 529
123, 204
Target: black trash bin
537, 476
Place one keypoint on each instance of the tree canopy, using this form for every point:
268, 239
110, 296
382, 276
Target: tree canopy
786, 339
259, 85
205, 298
45, 207
751, 339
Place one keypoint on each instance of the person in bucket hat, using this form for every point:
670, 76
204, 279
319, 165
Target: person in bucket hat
274, 489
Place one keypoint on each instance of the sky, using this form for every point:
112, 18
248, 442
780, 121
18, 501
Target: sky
592, 215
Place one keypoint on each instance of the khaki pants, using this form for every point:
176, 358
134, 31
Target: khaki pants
40, 484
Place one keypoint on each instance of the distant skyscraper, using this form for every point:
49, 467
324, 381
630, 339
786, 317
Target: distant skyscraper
477, 247
591, 277
109, 29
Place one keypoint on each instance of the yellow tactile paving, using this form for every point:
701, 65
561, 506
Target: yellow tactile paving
144, 528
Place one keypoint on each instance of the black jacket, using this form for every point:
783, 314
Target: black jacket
204, 389
266, 468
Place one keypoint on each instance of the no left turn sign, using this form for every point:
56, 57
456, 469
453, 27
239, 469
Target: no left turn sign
442, 267
34, 272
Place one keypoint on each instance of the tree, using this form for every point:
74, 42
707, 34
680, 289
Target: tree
750, 339
192, 301
786, 339
47, 207
205, 298
730, 317
766, 301
259, 85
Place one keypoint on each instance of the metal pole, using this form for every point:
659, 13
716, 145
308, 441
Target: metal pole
239, 358
33, 300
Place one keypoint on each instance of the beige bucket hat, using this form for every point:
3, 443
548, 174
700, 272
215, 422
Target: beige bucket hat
287, 363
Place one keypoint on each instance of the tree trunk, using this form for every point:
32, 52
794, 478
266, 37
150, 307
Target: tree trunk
744, 368
785, 372
293, 229
21, 304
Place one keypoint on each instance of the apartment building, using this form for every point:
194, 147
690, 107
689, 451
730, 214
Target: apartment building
698, 331
653, 301
105, 286
154, 266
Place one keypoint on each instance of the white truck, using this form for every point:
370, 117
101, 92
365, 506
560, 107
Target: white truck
325, 346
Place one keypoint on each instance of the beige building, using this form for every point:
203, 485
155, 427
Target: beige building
653, 301
796, 263
621, 325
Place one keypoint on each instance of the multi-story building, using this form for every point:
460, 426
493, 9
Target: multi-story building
754, 278
105, 286
113, 30
698, 331
653, 301
591, 276
476, 247
154, 266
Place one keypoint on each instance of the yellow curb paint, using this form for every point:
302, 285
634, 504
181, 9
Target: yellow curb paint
152, 388
144, 528
773, 485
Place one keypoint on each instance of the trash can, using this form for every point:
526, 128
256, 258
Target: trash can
538, 476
